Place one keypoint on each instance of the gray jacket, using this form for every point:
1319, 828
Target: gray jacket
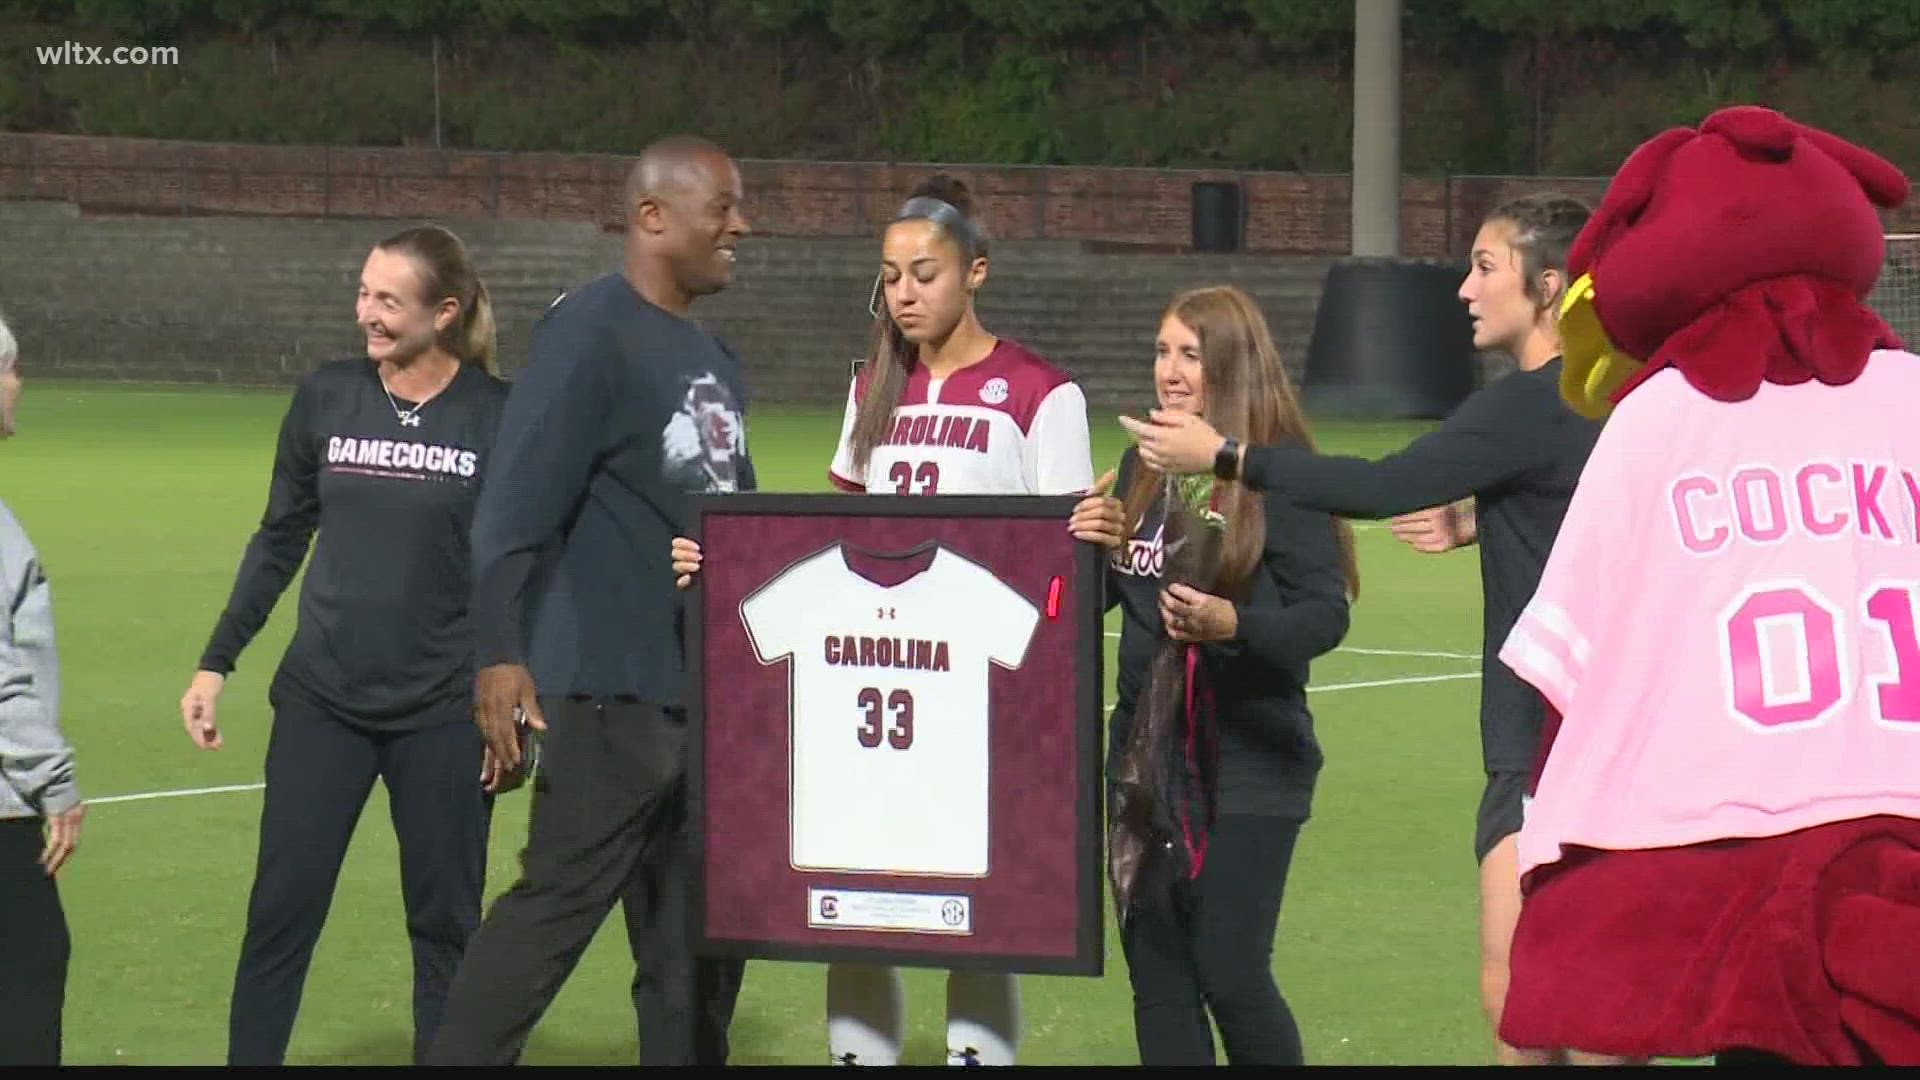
36, 764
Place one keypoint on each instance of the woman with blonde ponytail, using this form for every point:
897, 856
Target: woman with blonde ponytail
382, 457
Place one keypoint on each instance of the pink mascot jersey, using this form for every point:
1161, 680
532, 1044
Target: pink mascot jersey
1722, 850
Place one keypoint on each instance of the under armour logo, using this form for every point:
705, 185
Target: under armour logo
884, 613
409, 421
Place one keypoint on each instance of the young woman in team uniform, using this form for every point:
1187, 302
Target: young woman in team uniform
942, 407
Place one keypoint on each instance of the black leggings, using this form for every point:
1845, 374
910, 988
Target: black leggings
34, 948
319, 774
1209, 951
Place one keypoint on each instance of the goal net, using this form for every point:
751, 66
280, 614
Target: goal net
1896, 296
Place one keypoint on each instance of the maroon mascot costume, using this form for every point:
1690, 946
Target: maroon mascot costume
1721, 854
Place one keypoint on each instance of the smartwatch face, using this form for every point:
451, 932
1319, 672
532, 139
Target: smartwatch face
1227, 463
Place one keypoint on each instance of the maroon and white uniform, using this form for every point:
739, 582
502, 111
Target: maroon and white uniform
1012, 424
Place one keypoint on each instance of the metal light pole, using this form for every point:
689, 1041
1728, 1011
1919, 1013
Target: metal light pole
1376, 127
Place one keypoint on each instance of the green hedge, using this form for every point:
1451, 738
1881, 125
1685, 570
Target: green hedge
1880, 28
1496, 86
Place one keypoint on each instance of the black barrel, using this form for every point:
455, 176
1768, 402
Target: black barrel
1219, 215
1391, 340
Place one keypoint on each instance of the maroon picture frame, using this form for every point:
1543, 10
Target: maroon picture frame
1036, 903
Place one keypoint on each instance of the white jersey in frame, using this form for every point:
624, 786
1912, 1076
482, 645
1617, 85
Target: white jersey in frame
889, 708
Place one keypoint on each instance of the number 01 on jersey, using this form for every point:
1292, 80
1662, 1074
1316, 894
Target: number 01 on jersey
1784, 648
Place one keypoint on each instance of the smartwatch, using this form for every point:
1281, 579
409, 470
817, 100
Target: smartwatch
1226, 463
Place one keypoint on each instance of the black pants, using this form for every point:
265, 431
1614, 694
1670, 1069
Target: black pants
609, 825
1209, 951
34, 949
319, 774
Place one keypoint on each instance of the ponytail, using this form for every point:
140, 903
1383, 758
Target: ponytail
478, 340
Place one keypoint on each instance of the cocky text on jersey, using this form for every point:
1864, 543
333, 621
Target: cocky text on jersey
1821, 499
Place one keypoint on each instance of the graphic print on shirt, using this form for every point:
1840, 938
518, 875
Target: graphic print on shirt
701, 442
889, 708
400, 459
1144, 554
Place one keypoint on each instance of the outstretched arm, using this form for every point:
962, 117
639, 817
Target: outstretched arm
1489, 439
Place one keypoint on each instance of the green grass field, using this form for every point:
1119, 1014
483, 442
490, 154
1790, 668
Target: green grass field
141, 499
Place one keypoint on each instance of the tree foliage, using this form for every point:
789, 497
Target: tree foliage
1491, 85
1875, 28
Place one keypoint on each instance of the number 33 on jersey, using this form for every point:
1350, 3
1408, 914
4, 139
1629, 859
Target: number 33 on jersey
889, 707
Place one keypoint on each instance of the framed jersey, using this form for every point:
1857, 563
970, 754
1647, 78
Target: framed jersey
895, 721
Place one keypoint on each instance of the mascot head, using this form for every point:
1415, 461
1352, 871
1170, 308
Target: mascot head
1739, 252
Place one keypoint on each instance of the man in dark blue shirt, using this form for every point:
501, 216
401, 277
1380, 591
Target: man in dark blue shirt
625, 406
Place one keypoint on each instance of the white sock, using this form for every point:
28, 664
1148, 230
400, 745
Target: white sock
983, 1017
866, 1014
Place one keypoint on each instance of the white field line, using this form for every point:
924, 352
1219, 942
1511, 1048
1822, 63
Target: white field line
1111, 635
1408, 652
174, 794
1325, 688
1409, 680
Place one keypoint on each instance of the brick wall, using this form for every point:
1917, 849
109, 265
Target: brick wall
261, 300
135, 259
1286, 213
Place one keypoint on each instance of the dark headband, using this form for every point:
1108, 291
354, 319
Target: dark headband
946, 215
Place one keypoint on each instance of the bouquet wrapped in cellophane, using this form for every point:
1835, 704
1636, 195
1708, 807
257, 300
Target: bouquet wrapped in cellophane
1164, 797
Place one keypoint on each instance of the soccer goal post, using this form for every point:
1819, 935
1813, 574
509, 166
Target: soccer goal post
1896, 296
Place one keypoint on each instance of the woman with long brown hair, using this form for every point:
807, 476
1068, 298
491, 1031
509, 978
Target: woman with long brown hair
1228, 596
1516, 451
